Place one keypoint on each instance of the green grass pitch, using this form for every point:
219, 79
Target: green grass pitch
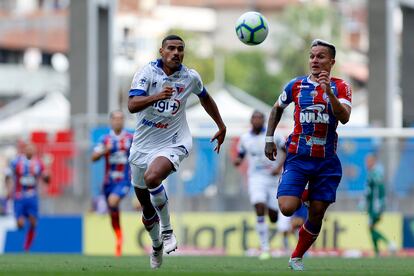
31, 264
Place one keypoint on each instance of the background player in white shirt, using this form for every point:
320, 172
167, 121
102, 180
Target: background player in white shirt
263, 177
162, 139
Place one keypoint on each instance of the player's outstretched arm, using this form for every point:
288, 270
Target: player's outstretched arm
210, 107
99, 151
274, 119
46, 177
9, 185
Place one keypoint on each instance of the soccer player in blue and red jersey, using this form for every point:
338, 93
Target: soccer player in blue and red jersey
320, 102
114, 147
23, 178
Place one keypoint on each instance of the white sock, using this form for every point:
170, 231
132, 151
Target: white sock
263, 232
159, 200
285, 241
155, 235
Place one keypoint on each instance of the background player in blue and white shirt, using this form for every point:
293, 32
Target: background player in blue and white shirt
162, 138
263, 177
320, 102
114, 148
25, 175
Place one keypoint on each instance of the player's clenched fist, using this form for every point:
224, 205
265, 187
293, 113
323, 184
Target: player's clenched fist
324, 80
270, 150
166, 93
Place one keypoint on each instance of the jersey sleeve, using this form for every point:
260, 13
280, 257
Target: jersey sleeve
285, 97
345, 93
12, 166
100, 146
140, 82
198, 86
9, 171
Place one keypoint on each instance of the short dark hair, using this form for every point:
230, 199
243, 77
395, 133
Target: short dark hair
258, 112
170, 37
330, 46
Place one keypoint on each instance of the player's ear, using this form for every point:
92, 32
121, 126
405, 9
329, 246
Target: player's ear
160, 51
332, 62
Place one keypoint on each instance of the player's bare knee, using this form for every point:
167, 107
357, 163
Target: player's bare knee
273, 215
260, 209
113, 201
287, 208
32, 221
152, 180
20, 224
289, 204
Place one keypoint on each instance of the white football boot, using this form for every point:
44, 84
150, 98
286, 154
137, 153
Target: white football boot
169, 241
156, 257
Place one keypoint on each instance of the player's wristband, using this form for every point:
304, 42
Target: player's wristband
269, 139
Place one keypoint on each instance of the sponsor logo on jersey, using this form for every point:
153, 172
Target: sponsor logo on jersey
311, 140
149, 123
171, 106
313, 114
118, 158
313, 93
28, 180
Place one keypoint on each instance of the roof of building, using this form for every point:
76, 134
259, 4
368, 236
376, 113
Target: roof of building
47, 31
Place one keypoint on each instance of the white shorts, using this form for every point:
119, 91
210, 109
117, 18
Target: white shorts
284, 223
140, 161
263, 190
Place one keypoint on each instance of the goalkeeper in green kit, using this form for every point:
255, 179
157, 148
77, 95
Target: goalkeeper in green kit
375, 200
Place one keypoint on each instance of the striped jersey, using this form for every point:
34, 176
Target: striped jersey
164, 123
116, 161
251, 147
26, 174
314, 132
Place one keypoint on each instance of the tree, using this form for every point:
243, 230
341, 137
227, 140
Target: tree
247, 70
303, 23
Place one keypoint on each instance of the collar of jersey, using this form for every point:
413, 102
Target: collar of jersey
160, 63
261, 131
311, 81
112, 133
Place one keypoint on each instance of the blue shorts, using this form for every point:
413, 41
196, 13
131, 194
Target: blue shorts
119, 188
323, 175
26, 206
